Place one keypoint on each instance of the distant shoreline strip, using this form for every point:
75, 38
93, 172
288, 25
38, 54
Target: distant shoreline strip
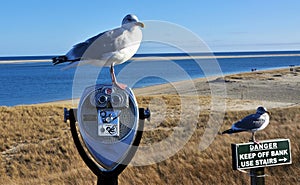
156, 58
211, 57
22, 61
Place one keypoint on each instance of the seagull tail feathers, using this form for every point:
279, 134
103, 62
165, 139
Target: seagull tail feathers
62, 59
59, 59
231, 131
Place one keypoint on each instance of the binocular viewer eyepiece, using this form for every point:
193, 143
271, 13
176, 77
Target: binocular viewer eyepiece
109, 97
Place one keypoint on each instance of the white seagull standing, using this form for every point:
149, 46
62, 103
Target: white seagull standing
251, 123
108, 48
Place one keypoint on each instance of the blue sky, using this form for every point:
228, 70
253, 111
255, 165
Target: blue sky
36, 27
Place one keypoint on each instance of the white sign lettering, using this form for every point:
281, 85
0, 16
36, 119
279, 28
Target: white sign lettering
262, 146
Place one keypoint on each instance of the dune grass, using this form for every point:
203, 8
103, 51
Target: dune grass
37, 148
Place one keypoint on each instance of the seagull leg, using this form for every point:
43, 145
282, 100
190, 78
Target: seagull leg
112, 73
253, 138
114, 79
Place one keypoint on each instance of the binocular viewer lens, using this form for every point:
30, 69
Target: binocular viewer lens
116, 100
102, 99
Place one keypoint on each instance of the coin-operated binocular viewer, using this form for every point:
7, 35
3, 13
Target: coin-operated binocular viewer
111, 126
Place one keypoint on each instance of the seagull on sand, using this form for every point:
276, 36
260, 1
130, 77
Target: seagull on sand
108, 48
251, 123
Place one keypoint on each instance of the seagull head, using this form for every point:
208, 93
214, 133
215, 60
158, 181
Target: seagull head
130, 20
262, 110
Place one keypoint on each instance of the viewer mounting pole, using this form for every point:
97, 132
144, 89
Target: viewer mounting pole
103, 180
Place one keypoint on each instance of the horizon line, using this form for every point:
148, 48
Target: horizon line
165, 53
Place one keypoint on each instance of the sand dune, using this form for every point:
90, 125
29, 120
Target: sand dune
36, 145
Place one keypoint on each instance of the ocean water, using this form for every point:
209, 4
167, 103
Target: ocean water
36, 82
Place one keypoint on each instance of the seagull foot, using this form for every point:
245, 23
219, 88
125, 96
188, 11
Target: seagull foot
120, 85
254, 141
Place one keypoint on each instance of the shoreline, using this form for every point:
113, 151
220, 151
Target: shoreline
241, 89
166, 57
23, 61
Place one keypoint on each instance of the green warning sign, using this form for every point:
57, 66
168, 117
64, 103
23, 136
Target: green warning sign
263, 154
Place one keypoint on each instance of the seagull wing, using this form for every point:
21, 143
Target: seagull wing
119, 43
97, 45
251, 122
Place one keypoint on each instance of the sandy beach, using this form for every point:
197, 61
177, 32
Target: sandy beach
36, 146
245, 91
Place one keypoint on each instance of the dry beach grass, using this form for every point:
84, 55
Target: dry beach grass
36, 145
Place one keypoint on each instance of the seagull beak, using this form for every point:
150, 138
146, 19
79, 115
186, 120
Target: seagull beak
140, 24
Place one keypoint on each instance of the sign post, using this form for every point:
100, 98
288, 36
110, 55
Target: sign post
257, 156
257, 176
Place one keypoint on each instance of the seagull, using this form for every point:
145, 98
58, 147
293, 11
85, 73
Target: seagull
108, 48
251, 123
